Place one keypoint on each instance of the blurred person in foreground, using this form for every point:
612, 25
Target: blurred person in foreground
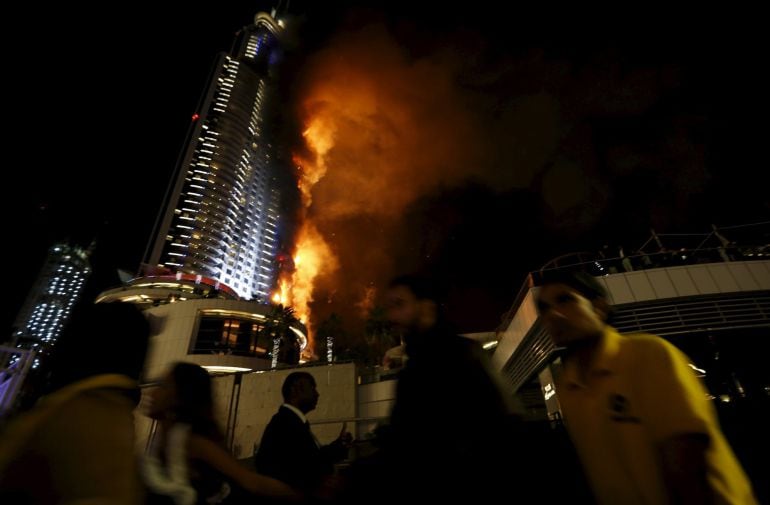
77, 444
640, 419
187, 463
452, 433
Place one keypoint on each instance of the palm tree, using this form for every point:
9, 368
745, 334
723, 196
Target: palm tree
330, 335
277, 329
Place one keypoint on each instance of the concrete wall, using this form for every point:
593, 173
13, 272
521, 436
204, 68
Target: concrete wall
259, 398
375, 400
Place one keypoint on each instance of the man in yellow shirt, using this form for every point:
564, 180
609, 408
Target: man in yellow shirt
641, 422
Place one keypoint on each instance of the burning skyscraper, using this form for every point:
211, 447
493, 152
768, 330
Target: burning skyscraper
221, 219
211, 264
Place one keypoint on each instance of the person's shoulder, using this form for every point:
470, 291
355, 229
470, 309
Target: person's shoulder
282, 414
451, 348
278, 427
653, 347
107, 397
646, 341
106, 405
461, 343
285, 418
93, 421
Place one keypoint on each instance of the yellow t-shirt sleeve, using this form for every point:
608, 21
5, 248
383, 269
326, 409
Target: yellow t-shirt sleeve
673, 400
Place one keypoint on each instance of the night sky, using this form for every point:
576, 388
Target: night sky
505, 138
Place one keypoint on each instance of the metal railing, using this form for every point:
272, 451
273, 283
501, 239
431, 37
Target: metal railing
694, 250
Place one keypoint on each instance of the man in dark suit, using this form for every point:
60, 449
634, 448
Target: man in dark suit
289, 451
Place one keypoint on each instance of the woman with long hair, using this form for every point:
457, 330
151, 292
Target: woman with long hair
187, 462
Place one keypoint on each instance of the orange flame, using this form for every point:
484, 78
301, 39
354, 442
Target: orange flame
371, 146
283, 295
312, 254
319, 137
314, 257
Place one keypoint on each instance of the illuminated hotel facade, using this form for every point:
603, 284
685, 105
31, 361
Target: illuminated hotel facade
199, 322
220, 220
211, 264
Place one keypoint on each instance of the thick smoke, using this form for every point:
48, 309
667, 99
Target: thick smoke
545, 142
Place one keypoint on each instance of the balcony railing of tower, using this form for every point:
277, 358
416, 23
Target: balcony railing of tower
747, 242
164, 274
159, 290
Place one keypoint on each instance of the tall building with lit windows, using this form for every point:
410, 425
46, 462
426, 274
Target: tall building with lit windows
211, 263
221, 220
52, 297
